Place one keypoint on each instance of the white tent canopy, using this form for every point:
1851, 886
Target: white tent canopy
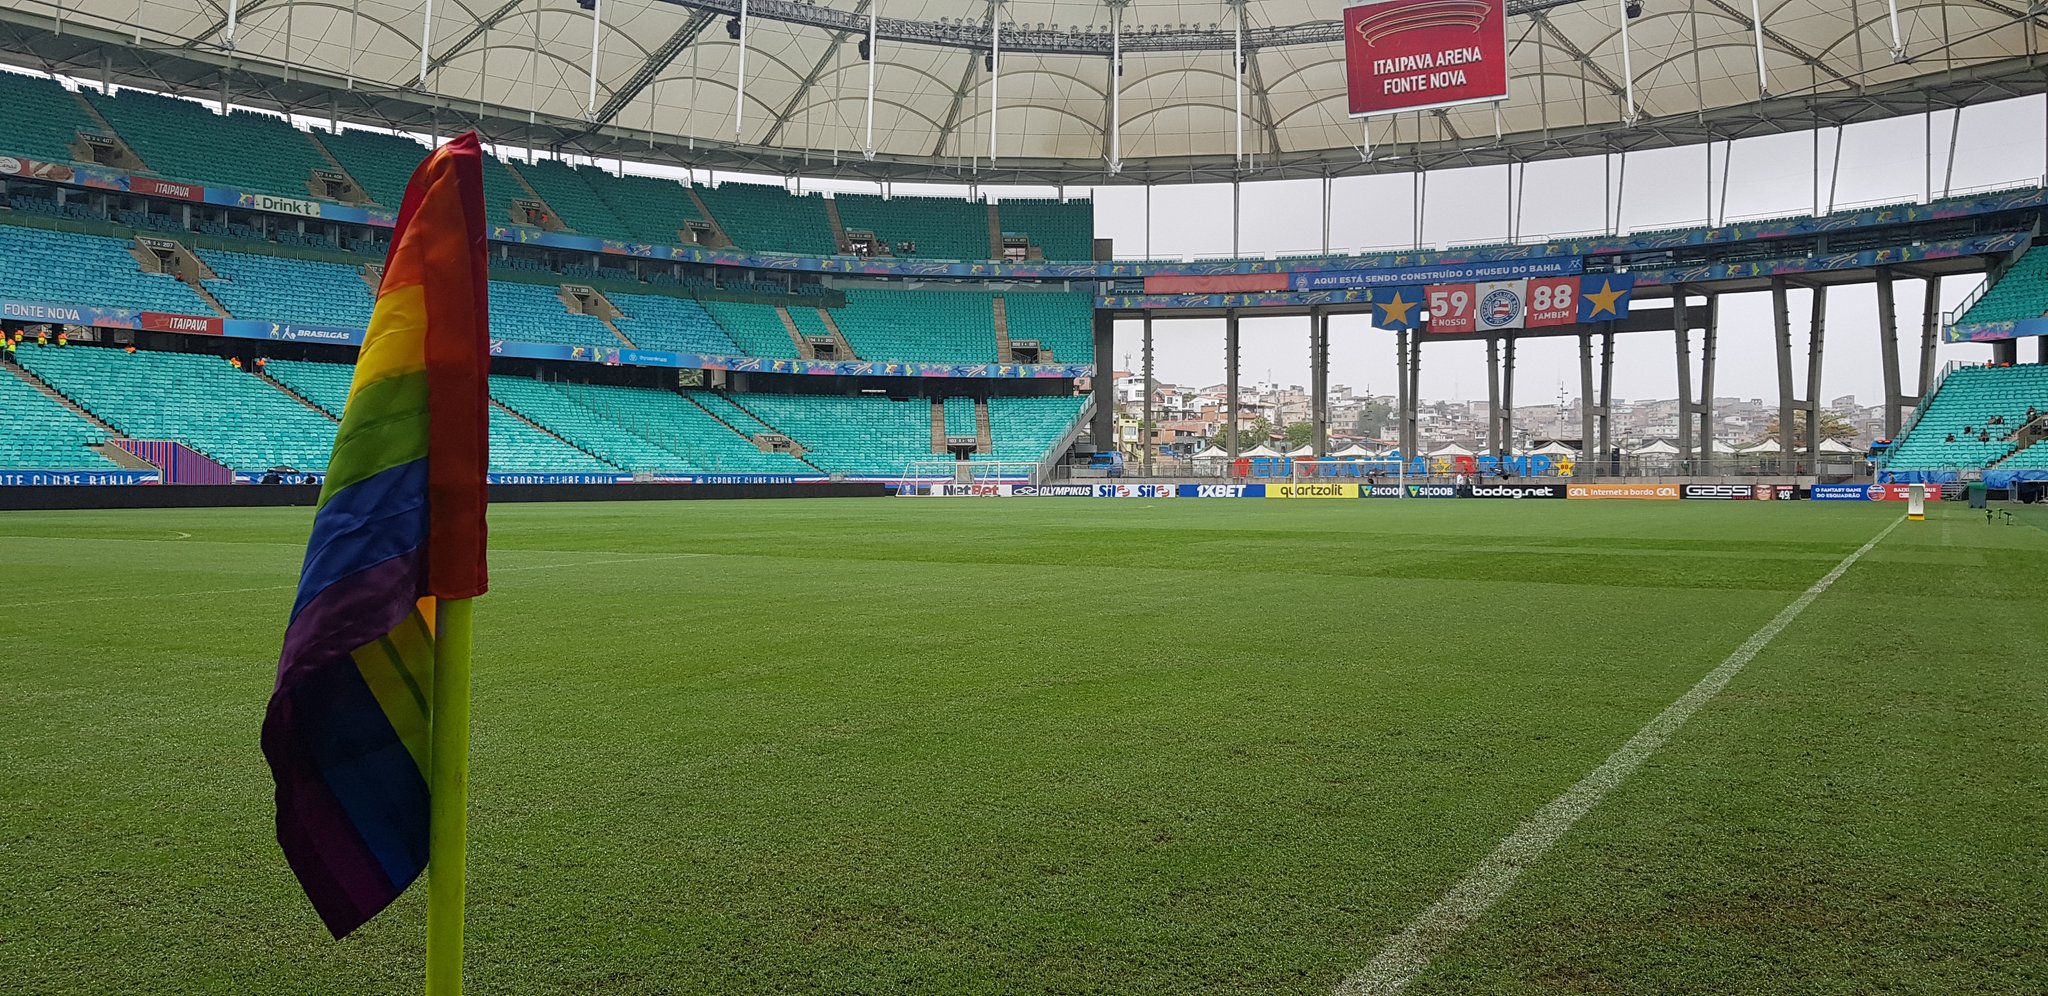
1302, 451
1355, 450
1261, 450
1660, 447
1212, 453
1553, 448
1451, 449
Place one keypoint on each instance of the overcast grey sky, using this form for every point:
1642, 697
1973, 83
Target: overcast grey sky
1999, 144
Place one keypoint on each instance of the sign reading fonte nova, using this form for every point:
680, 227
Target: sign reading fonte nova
1407, 55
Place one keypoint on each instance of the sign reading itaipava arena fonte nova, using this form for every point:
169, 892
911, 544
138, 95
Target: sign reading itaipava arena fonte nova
1407, 55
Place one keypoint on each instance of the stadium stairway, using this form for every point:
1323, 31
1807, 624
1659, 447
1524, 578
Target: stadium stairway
984, 437
720, 238
838, 227
48, 425
516, 416
939, 426
796, 336
1001, 308
838, 338
296, 396
995, 235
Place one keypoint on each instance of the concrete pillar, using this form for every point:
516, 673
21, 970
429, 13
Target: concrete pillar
1103, 430
1494, 441
1589, 454
1146, 432
1930, 327
1687, 408
1817, 331
1319, 379
1888, 352
1607, 399
1781, 326
1710, 334
1507, 393
1401, 393
1230, 360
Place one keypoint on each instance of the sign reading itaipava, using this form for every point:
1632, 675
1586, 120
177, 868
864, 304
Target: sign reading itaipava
1406, 55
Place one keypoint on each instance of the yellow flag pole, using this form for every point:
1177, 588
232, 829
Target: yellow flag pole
448, 806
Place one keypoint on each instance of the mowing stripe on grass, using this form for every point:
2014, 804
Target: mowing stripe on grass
131, 596
1409, 952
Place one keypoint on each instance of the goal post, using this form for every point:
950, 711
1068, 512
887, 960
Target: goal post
924, 473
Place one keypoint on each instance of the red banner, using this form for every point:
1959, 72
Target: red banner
1405, 55
157, 321
152, 187
1553, 301
1450, 308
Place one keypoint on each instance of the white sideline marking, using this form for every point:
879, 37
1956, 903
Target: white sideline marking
1409, 952
295, 584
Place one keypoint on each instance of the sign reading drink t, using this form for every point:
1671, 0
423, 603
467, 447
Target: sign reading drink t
1407, 55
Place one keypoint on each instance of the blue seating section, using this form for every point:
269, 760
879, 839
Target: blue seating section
37, 433
960, 419
642, 430
866, 436
1061, 322
183, 140
237, 418
66, 267
380, 163
568, 191
933, 326
654, 321
755, 328
939, 227
534, 313
2020, 293
1963, 408
1025, 429
43, 118
771, 219
279, 288
1064, 231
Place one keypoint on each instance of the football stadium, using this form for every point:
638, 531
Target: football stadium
804, 496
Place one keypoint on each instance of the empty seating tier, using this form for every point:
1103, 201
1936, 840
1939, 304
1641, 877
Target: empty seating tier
680, 325
236, 418
278, 288
653, 209
241, 149
939, 227
535, 313
1951, 432
1064, 231
568, 191
87, 269
1025, 429
2020, 293
1062, 323
867, 435
381, 163
37, 433
931, 326
43, 118
771, 219
755, 328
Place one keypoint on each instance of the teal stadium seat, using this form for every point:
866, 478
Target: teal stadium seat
43, 118
39, 264
381, 163
960, 418
862, 436
516, 448
653, 209
37, 433
942, 227
771, 219
277, 288
930, 326
533, 313
677, 324
1968, 398
1064, 231
1061, 322
269, 156
756, 328
237, 418
2021, 293
567, 190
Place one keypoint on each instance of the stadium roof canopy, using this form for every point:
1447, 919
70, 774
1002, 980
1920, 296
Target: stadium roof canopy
667, 77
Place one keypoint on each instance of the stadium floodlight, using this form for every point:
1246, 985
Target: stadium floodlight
732, 29
1634, 9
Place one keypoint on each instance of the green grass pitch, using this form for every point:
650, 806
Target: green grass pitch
1073, 747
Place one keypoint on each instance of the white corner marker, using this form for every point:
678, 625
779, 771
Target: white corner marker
1409, 952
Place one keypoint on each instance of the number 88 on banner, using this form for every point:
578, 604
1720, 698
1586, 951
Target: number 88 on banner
1553, 301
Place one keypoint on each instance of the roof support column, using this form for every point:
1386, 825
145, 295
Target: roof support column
995, 71
1230, 361
868, 150
1628, 73
1319, 379
1930, 326
739, 93
1888, 352
1116, 97
1237, 75
1103, 383
426, 39
1147, 434
1682, 335
1507, 389
596, 29
1781, 327
1816, 335
1709, 345
1589, 456
1493, 439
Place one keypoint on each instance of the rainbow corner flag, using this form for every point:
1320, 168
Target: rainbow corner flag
400, 525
